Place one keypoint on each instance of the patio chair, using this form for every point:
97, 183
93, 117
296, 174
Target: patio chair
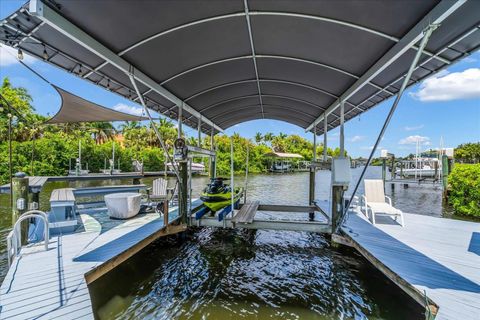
377, 202
159, 194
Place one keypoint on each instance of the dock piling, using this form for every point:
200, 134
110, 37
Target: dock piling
183, 191
20, 200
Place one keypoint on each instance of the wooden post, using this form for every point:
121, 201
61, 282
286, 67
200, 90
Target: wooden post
165, 213
394, 166
337, 206
212, 158
445, 172
311, 189
136, 180
36, 199
384, 171
10, 165
20, 200
183, 191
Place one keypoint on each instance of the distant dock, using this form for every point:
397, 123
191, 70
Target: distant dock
36, 183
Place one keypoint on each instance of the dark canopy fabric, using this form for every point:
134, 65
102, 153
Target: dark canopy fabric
305, 54
76, 109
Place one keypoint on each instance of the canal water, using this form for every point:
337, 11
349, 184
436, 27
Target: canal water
225, 274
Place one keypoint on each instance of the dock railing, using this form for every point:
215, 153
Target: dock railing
14, 238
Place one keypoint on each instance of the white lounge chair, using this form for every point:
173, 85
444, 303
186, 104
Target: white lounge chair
377, 202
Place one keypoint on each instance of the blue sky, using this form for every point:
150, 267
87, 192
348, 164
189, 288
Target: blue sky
446, 105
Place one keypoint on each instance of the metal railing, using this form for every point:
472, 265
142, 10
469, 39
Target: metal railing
14, 238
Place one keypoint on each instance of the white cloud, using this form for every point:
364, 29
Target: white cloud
8, 57
371, 147
128, 109
413, 128
452, 86
413, 140
356, 138
469, 60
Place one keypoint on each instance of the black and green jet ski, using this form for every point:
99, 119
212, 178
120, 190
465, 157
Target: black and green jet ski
217, 195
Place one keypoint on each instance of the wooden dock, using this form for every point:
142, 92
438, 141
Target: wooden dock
433, 256
53, 284
36, 183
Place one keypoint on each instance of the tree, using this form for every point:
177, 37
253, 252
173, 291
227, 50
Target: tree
129, 125
24, 118
258, 137
468, 152
102, 131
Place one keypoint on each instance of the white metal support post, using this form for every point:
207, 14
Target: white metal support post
180, 116
199, 129
232, 186
426, 35
325, 129
342, 130
311, 189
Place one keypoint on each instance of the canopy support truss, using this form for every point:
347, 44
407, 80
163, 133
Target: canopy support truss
249, 26
426, 36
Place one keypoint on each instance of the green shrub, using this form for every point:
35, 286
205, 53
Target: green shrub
464, 182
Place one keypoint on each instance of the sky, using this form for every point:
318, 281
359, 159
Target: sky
444, 107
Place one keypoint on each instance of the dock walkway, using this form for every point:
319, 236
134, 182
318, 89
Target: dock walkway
36, 183
53, 284
436, 256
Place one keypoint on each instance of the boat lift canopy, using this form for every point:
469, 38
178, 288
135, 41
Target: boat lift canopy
226, 62
283, 155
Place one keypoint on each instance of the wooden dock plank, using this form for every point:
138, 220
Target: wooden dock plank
246, 213
428, 255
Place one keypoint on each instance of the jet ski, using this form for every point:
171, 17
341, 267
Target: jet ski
217, 195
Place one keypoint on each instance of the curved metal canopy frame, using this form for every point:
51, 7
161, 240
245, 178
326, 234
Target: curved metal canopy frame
268, 115
260, 56
216, 105
264, 56
436, 13
294, 110
265, 80
263, 13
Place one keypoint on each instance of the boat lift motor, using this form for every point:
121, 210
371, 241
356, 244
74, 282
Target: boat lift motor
341, 177
181, 150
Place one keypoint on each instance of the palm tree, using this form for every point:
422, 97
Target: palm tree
282, 135
268, 137
258, 137
165, 123
102, 131
129, 125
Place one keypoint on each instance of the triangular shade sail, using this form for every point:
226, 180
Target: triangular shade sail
76, 109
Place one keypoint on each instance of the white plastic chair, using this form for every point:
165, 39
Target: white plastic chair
377, 202
159, 190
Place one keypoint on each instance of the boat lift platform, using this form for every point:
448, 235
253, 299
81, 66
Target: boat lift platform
245, 217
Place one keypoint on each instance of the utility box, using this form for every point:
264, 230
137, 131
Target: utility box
449, 153
341, 175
